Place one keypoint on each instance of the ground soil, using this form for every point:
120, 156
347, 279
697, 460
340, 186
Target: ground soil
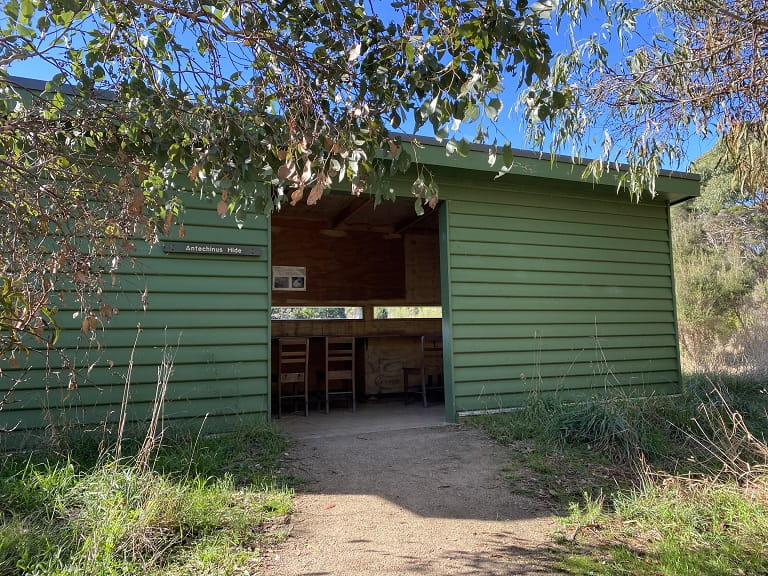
423, 501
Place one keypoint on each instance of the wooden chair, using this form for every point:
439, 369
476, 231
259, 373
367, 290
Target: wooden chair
292, 372
339, 369
429, 372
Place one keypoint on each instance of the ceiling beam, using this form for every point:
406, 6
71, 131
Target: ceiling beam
404, 225
348, 211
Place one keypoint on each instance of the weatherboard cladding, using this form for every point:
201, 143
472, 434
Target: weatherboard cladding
548, 284
556, 290
546, 287
210, 311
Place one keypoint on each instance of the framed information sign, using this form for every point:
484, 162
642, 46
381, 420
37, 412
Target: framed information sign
289, 278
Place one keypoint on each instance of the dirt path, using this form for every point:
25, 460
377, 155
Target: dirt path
429, 501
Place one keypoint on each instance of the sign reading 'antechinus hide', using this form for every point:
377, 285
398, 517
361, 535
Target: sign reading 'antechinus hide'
210, 249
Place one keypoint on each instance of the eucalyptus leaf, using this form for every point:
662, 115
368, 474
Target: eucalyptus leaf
403, 160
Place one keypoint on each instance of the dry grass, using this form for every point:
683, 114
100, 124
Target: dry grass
743, 354
723, 434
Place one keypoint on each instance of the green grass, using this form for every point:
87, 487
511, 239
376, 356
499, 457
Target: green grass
658, 486
570, 449
205, 506
678, 529
617, 427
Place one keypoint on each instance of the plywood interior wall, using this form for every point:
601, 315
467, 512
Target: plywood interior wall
384, 362
358, 268
422, 269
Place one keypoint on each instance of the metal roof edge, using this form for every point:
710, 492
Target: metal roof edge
35, 85
673, 186
533, 155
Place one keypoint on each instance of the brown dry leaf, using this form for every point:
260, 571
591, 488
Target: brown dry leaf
316, 193
168, 223
106, 312
182, 231
89, 324
136, 204
111, 363
221, 208
286, 171
194, 173
297, 195
224, 195
330, 146
13, 362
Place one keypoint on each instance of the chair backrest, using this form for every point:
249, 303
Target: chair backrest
293, 359
339, 357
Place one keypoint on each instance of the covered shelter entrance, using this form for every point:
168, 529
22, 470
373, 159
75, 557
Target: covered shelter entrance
348, 272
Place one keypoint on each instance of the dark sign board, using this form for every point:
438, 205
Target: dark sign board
210, 249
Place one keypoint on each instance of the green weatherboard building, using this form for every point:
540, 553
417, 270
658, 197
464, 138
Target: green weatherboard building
546, 283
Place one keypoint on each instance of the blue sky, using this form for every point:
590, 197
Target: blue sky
509, 123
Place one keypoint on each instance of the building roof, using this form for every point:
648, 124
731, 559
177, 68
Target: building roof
672, 186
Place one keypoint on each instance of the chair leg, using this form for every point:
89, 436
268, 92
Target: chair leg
424, 387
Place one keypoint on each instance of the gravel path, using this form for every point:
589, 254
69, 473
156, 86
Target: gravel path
428, 501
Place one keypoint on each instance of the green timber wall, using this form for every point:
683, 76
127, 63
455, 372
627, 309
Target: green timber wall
211, 312
554, 288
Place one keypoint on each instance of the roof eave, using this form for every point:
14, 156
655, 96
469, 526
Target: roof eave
673, 186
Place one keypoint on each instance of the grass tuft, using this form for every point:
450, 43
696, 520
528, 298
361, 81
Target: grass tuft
674, 527
203, 508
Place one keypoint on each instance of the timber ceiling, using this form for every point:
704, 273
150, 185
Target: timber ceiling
343, 212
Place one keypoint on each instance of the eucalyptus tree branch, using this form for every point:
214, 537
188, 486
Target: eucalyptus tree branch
719, 8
